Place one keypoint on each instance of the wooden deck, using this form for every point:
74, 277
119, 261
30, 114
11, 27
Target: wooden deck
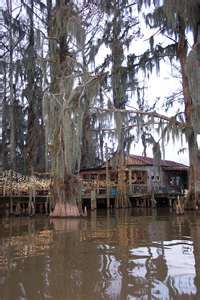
16, 201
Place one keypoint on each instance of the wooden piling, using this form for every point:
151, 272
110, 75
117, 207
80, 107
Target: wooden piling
93, 199
130, 180
11, 205
107, 185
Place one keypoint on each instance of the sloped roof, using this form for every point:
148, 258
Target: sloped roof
142, 160
137, 160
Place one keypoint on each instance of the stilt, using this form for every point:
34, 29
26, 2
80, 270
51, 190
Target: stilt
108, 201
11, 205
170, 202
34, 201
18, 209
51, 204
130, 181
107, 181
31, 203
179, 205
93, 200
41, 208
46, 205
153, 200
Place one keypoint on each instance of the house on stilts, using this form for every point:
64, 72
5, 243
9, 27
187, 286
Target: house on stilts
144, 186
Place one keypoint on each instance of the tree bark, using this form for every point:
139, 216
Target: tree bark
66, 188
12, 100
194, 156
66, 197
88, 150
119, 94
122, 197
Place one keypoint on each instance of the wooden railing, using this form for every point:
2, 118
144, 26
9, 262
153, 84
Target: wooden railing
139, 188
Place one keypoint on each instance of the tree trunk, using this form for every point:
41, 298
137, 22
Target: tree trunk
88, 149
66, 187
12, 100
4, 116
194, 174
64, 108
119, 95
194, 155
66, 196
35, 149
122, 197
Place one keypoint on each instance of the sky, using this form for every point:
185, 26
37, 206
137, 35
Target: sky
161, 86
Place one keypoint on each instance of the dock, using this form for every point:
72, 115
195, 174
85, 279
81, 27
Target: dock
29, 195
24, 195
96, 199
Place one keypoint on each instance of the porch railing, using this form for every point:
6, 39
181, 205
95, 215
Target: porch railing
139, 188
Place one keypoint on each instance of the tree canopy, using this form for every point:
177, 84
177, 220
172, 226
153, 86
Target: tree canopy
71, 76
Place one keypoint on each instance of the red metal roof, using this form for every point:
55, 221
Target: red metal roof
142, 160
137, 160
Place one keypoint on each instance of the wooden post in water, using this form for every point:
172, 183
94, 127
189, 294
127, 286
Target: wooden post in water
179, 205
11, 199
34, 200
46, 205
50, 201
107, 180
11, 205
18, 209
97, 188
93, 199
31, 202
4, 187
130, 181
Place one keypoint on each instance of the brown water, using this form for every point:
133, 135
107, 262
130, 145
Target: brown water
109, 255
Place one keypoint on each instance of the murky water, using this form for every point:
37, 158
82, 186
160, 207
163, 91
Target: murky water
109, 255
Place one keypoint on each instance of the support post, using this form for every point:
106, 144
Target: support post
130, 181
46, 205
31, 202
11, 205
93, 199
107, 181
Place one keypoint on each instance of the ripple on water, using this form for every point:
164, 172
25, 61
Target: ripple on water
117, 256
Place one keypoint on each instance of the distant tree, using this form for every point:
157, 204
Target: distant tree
119, 31
33, 92
13, 119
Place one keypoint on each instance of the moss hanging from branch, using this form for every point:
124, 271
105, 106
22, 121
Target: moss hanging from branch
64, 107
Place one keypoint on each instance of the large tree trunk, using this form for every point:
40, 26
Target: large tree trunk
66, 187
194, 173
194, 155
119, 95
66, 196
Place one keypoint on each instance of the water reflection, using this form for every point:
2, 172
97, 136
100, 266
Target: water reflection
120, 254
